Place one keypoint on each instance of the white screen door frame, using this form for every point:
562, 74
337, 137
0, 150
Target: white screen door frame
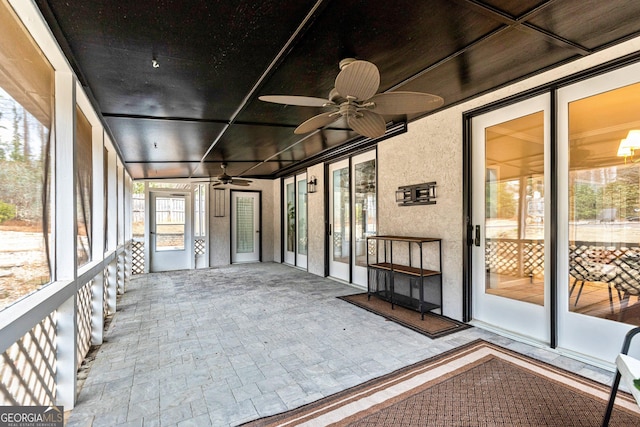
170, 231
245, 226
339, 220
525, 319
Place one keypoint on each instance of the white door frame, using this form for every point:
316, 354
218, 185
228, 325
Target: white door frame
301, 183
168, 260
289, 256
577, 333
337, 269
359, 275
524, 319
256, 232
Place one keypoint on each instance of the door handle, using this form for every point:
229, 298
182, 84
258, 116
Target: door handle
330, 229
257, 231
477, 239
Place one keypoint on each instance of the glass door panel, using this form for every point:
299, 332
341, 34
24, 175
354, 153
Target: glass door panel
599, 250
301, 221
514, 209
364, 212
290, 221
509, 154
340, 220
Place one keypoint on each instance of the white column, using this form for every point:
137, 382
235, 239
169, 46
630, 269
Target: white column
112, 231
98, 237
65, 236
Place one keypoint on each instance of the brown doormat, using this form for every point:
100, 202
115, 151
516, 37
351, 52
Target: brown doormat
433, 325
479, 384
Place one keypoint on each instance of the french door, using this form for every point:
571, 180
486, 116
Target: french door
353, 216
510, 155
295, 221
290, 220
170, 235
301, 220
339, 220
245, 226
599, 207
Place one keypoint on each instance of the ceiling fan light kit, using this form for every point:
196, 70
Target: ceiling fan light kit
225, 178
354, 98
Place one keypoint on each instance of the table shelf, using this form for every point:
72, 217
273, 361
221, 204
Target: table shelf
411, 286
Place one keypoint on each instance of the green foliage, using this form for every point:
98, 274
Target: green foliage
7, 211
138, 187
21, 184
584, 202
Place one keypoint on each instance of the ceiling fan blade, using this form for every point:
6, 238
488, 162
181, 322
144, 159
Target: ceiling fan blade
240, 182
405, 102
317, 122
370, 124
302, 101
216, 184
359, 79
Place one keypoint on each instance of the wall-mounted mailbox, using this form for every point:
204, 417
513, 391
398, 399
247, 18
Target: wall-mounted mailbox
418, 194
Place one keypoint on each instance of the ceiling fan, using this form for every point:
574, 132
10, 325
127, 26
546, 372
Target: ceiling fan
224, 178
354, 97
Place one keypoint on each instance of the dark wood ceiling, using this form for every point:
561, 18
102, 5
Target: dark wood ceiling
200, 106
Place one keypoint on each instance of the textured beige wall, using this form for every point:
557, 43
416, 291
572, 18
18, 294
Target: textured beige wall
430, 151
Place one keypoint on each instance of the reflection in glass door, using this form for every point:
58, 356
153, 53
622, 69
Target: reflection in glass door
364, 212
509, 152
301, 221
340, 220
290, 221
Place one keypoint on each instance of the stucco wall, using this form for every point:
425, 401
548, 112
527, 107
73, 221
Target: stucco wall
431, 150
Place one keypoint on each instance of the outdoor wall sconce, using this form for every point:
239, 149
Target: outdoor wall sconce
418, 194
311, 185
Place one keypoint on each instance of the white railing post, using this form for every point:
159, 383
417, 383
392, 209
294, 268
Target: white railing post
97, 288
97, 309
112, 285
65, 260
66, 354
121, 267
